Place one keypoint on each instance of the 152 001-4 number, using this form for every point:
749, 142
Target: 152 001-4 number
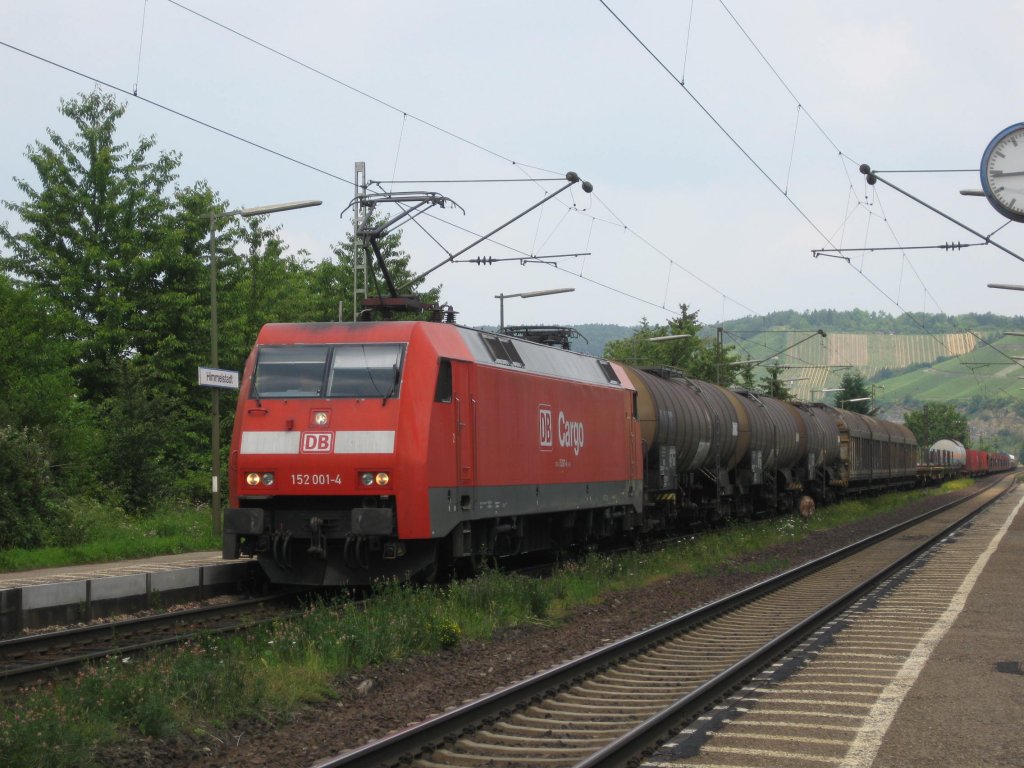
316, 479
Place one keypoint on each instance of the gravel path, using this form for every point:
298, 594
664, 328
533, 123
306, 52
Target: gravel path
379, 700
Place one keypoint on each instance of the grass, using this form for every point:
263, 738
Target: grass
268, 673
105, 534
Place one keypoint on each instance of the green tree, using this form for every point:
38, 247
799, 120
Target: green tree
852, 392
95, 230
773, 385
26, 493
35, 387
693, 352
260, 283
40, 405
936, 421
117, 262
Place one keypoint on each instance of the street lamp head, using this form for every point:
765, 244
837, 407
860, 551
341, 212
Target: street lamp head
532, 294
525, 295
670, 337
260, 210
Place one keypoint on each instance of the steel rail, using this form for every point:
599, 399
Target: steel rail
115, 637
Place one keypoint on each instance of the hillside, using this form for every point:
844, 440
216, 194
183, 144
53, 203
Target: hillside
819, 363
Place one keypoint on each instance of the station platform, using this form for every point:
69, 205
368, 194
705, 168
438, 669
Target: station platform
966, 704
80, 593
926, 671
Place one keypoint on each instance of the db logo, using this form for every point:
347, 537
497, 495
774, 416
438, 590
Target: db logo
317, 442
545, 424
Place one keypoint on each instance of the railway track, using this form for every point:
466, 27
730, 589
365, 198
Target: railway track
610, 707
33, 656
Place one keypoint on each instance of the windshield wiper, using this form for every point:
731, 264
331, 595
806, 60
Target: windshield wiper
394, 386
254, 388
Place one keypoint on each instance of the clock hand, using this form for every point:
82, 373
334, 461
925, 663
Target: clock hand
1008, 173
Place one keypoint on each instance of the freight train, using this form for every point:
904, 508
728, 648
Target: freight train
948, 458
374, 450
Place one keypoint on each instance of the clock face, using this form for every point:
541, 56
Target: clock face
1002, 172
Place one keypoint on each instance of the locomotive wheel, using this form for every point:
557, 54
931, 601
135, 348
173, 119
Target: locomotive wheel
431, 573
473, 565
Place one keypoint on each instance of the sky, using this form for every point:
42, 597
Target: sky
723, 139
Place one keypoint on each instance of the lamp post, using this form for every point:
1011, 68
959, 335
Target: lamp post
527, 295
215, 418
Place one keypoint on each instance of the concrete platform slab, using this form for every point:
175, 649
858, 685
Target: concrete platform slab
51, 596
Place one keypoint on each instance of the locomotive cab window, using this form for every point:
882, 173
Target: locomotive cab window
443, 390
314, 370
293, 371
366, 370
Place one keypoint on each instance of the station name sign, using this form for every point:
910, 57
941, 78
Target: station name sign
216, 377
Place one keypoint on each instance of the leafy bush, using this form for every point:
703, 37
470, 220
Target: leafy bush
25, 489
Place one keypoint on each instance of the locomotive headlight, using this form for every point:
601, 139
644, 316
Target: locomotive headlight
370, 479
253, 478
268, 478
320, 418
256, 478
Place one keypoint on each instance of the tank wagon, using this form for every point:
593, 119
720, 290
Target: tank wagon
712, 452
394, 449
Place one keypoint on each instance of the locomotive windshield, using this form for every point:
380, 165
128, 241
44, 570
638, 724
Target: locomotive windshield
341, 370
365, 370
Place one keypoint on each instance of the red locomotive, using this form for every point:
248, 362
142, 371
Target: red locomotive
367, 450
